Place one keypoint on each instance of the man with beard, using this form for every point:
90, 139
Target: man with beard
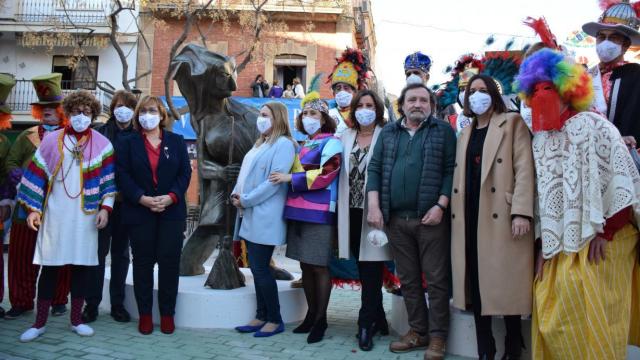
416, 155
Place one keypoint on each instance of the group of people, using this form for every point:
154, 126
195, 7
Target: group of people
260, 88
508, 219
511, 217
60, 180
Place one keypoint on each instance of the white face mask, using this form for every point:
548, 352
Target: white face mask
479, 102
414, 79
526, 114
80, 122
343, 98
608, 51
365, 117
149, 121
263, 124
311, 125
123, 114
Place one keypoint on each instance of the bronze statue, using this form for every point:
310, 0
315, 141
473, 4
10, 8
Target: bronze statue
226, 131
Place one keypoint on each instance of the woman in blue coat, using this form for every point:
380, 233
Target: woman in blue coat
261, 204
153, 173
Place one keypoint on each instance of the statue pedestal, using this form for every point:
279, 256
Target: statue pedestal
462, 330
205, 308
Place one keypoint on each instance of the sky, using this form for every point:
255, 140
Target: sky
447, 29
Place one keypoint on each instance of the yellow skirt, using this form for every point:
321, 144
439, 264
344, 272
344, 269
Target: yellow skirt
587, 311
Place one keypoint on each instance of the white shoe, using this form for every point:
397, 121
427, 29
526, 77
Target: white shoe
82, 330
32, 334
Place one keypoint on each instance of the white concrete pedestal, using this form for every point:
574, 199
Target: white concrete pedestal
201, 307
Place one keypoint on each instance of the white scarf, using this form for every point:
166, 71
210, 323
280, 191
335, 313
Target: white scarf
599, 101
585, 175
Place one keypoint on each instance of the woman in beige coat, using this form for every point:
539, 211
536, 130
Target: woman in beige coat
491, 211
358, 143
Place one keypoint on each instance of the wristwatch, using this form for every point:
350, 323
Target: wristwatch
441, 206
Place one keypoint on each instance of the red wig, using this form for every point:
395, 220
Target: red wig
37, 113
5, 121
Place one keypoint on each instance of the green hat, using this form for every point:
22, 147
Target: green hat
48, 88
6, 84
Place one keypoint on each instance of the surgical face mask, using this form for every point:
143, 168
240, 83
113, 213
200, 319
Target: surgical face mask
479, 102
149, 121
343, 98
123, 114
526, 114
80, 122
311, 125
49, 128
608, 51
365, 117
414, 79
263, 124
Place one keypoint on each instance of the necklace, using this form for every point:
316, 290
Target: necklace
77, 151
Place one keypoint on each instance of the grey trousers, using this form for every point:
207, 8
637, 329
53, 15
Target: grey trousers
418, 249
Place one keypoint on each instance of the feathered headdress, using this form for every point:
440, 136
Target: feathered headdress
351, 68
503, 67
541, 27
312, 99
571, 80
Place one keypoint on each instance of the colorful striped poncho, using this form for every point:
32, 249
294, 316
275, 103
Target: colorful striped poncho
314, 181
98, 172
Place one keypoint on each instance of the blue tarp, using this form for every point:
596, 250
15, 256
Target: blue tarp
183, 126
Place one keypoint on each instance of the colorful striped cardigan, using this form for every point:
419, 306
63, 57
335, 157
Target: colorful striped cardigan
314, 181
98, 172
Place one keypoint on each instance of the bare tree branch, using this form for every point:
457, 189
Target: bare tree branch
113, 36
256, 34
189, 18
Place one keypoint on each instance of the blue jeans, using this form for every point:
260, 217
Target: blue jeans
268, 308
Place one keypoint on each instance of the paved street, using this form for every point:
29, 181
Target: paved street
115, 340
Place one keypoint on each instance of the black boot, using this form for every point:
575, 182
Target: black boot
365, 338
317, 331
381, 326
306, 325
513, 348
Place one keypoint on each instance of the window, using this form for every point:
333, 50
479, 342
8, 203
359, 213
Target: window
81, 77
288, 66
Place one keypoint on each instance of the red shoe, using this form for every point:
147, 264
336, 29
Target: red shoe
166, 324
145, 324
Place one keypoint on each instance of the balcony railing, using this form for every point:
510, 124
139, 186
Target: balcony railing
23, 93
67, 12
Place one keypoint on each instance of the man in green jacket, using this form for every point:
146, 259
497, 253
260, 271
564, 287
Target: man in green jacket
409, 185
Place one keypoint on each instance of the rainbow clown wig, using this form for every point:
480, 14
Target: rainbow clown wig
571, 80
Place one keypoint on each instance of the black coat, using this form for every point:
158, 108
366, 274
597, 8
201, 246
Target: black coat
134, 177
627, 103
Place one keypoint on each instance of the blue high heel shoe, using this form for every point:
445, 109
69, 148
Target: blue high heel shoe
249, 328
278, 330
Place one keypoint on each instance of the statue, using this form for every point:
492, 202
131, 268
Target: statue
225, 131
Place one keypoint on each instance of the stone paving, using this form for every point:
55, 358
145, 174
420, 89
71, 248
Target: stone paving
115, 340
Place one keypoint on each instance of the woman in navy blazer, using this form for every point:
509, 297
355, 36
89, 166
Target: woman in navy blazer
261, 203
152, 173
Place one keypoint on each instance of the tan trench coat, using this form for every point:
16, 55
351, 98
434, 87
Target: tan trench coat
505, 263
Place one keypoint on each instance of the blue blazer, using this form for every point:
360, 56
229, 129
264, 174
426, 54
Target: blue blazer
263, 202
134, 177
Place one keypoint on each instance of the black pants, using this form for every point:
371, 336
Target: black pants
484, 333
49, 279
157, 241
115, 236
268, 303
371, 310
